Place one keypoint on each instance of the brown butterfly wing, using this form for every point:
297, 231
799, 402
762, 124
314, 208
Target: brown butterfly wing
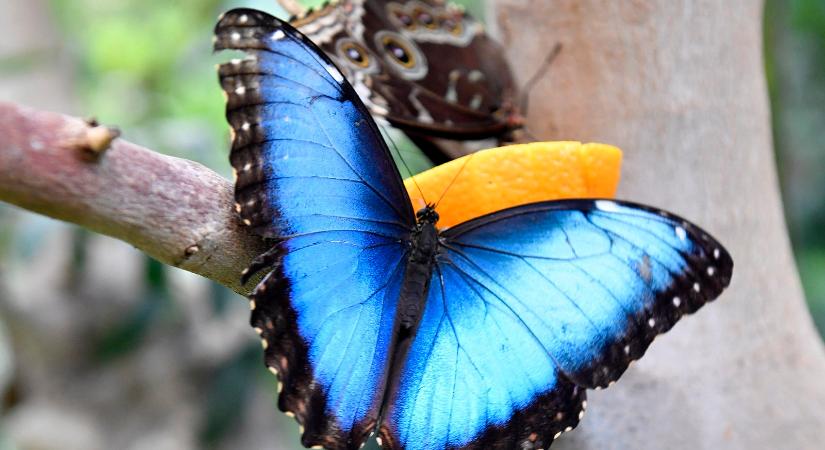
425, 66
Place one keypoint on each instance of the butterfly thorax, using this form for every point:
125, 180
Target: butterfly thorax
420, 262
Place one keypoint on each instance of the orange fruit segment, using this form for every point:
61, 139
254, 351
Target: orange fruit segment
499, 178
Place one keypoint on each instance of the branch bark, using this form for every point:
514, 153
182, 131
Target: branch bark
177, 211
680, 87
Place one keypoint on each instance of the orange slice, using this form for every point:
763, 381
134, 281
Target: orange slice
498, 178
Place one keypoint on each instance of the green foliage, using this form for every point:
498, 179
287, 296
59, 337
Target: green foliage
809, 16
795, 63
128, 334
147, 67
811, 265
227, 395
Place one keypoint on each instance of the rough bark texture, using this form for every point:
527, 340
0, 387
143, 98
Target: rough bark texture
679, 86
175, 210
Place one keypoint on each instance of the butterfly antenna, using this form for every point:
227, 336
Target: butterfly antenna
545, 65
466, 161
388, 134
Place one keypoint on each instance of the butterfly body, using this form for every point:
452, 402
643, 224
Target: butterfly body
420, 262
483, 335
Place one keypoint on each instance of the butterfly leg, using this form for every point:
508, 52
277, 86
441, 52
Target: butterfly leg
265, 260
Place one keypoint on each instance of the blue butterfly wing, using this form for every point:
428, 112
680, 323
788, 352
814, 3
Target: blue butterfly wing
304, 146
530, 306
314, 175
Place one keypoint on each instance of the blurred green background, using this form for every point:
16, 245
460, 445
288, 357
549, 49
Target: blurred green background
88, 353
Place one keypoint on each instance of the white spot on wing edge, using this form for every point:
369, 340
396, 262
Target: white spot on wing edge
677, 301
681, 233
607, 205
278, 35
334, 72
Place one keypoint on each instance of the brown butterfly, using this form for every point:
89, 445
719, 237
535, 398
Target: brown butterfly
425, 66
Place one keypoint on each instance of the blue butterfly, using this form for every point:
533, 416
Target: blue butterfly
485, 335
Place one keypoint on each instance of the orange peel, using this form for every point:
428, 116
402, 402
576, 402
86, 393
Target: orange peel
503, 177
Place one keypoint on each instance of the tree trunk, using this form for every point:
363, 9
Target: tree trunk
680, 86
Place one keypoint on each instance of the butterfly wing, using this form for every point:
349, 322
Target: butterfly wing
425, 66
531, 305
314, 175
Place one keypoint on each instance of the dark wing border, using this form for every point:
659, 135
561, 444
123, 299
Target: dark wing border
240, 29
697, 285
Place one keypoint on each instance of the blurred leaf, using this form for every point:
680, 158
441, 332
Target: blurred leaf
222, 298
406, 155
795, 59
228, 395
129, 333
6, 231
143, 63
812, 271
156, 277
25, 63
809, 15
79, 256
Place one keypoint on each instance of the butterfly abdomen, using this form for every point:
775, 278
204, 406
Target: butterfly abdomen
424, 246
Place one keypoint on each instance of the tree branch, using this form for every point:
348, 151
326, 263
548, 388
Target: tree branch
177, 211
